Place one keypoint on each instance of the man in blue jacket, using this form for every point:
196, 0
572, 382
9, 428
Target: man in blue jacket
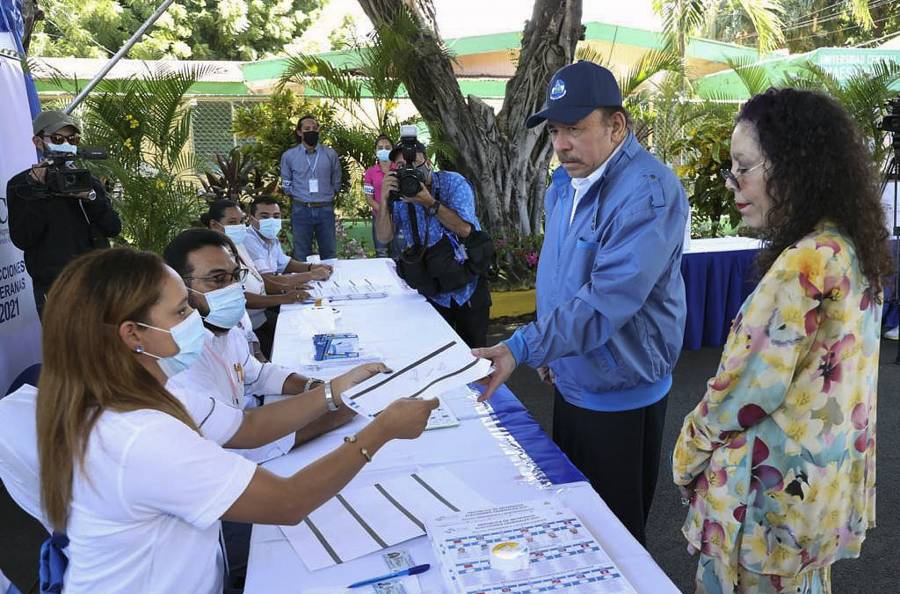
610, 297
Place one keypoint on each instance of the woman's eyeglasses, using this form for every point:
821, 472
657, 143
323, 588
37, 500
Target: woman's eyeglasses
72, 139
731, 176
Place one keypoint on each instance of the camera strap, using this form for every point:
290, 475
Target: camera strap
414, 223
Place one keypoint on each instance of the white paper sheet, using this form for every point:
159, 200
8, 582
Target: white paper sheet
428, 375
364, 520
564, 555
442, 417
348, 284
406, 585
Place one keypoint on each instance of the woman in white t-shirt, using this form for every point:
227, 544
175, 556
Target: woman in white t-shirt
227, 218
124, 471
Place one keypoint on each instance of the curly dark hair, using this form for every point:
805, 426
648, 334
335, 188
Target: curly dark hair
820, 169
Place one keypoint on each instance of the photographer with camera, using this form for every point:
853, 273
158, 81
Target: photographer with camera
57, 211
445, 254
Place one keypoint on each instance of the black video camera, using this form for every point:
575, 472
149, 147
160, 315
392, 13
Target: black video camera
409, 179
62, 178
891, 122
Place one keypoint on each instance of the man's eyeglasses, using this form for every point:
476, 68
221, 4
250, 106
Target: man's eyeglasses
72, 139
223, 278
731, 176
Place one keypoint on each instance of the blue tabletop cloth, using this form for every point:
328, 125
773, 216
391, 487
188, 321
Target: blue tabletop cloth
512, 416
717, 283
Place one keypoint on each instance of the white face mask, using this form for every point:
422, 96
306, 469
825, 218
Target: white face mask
236, 233
269, 228
190, 336
65, 147
226, 305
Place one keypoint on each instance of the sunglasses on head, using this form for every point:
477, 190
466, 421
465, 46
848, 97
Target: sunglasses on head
72, 139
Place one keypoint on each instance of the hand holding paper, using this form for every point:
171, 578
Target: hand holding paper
503, 365
444, 367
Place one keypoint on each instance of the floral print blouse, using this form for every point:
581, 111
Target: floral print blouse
781, 449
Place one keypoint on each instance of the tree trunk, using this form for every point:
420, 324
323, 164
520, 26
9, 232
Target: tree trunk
506, 162
31, 13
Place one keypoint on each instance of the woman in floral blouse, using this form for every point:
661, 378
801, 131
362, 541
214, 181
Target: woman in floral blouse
777, 461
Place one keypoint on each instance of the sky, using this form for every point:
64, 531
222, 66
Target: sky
460, 18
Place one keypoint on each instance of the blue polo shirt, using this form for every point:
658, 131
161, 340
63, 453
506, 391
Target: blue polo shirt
454, 192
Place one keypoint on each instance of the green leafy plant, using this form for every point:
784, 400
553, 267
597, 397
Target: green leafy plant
236, 177
348, 247
704, 152
144, 122
516, 260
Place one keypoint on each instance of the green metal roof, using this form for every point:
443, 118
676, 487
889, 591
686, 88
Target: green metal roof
700, 49
485, 88
201, 88
841, 62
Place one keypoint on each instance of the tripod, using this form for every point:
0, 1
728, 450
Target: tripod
892, 176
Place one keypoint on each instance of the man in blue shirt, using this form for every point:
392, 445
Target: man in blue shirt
610, 297
311, 176
445, 205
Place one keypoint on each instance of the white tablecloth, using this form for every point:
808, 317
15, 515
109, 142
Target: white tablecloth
722, 244
402, 325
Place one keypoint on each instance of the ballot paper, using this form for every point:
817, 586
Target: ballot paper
442, 417
564, 555
444, 367
344, 286
364, 520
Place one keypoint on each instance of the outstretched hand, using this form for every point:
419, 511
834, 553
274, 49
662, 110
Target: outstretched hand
503, 363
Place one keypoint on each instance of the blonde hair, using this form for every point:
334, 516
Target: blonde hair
87, 368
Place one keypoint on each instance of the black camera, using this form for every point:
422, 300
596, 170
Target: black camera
891, 122
65, 179
409, 179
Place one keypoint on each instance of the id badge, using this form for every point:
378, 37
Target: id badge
313, 185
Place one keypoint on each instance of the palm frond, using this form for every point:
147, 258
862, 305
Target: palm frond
860, 13
592, 54
766, 18
650, 64
681, 20
753, 76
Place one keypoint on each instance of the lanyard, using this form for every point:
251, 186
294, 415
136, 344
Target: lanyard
312, 166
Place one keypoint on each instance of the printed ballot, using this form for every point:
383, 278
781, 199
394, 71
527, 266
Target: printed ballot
444, 367
360, 521
562, 554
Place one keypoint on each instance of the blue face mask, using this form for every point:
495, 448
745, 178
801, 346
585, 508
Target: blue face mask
236, 233
190, 336
62, 148
383, 154
269, 228
226, 306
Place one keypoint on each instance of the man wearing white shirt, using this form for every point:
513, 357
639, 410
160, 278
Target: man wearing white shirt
265, 249
226, 366
212, 276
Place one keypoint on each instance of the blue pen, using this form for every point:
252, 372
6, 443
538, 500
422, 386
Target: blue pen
403, 572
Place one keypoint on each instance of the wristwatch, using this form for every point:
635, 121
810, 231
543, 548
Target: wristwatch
433, 209
329, 398
312, 383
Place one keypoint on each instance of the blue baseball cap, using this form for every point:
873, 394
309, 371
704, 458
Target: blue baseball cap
575, 91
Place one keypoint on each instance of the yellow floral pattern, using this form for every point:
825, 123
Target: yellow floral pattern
780, 452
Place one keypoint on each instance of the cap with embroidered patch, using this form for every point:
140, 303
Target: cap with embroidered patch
575, 91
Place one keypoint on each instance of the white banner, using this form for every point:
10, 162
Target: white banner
20, 331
